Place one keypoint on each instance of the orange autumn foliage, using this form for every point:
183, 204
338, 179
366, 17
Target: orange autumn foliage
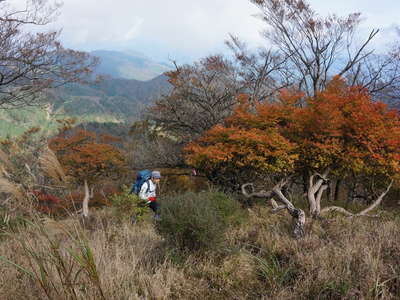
247, 140
343, 129
85, 158
340, 128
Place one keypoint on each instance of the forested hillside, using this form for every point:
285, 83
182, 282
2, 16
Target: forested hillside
108, 101
120, 98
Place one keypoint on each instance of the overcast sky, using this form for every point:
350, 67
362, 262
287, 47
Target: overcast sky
190, 29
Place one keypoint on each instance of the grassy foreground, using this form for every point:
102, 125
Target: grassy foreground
340, 258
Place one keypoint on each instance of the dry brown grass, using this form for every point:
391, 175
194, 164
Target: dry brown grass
11, 188
52, 167
130, 261
5, 161
340, 258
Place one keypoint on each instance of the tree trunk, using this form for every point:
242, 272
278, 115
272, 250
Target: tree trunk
299, 217
85, 203
315, 191
337, 190
329, 191
318, 198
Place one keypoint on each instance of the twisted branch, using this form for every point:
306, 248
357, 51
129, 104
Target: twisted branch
364, 212
297, 214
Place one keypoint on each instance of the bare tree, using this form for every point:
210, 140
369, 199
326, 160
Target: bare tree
203, 95
262, 73
30, 62
388, 86
307, 50
149, 148
314, 196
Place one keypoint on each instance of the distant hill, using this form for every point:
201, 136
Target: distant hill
128, 65
112, 101
117, 101
123, 99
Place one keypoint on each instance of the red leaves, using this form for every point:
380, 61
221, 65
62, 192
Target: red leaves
341, 128
83, 157
48, 203
362, 135
247, 140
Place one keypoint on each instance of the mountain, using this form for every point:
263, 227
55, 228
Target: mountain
110, 104
113, 102
128, 65
124, 99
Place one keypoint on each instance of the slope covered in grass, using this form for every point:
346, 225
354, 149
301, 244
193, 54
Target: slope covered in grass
340, 258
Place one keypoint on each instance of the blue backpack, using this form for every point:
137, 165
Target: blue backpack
141, 178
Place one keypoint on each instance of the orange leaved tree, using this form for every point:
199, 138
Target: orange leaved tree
87, 158
343, 132
338, 132
253, 140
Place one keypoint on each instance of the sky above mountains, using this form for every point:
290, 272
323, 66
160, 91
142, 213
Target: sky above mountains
190, 29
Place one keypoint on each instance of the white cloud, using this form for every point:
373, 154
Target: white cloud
176, 28
134, 31
186, 28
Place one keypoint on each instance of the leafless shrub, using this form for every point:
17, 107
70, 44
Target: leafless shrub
150, 147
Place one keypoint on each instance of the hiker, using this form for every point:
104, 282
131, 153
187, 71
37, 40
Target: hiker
145, 187
148, 193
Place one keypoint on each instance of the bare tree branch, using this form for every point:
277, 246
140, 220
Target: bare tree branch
31, 63
307, 50
203, 95
298, 215
363, 212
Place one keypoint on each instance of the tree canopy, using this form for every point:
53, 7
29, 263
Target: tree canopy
202, 95
340, 131
87, 157
340, 128
305, 49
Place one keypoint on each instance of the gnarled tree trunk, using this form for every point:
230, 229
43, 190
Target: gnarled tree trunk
298, 215
315, 192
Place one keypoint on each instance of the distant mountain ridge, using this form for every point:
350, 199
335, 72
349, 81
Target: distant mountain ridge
117, 101
131, 82
123, 99
128, 65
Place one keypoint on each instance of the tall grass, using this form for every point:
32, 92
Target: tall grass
61, 260
59, 270
339, 258
52, 166
13, 189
